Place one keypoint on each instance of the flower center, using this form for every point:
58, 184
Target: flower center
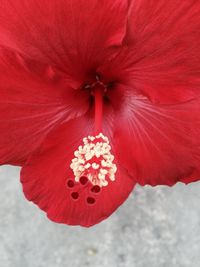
93, 159
98, 83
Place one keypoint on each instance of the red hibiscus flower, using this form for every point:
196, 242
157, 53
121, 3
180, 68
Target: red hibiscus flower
96, 96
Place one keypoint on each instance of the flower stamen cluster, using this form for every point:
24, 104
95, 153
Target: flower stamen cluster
94, 160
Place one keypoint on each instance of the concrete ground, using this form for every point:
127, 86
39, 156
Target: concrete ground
156, 227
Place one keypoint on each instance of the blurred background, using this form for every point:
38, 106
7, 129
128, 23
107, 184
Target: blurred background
156, 227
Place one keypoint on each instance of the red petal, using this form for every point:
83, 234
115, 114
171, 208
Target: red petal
49, 182
30, 106
73, 35
161, 56
159, 144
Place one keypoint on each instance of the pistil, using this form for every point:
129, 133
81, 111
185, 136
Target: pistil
93, 159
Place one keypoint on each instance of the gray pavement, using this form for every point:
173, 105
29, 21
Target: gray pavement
156, 227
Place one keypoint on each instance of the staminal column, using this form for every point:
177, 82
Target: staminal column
98, 96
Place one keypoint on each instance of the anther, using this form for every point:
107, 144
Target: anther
94, 162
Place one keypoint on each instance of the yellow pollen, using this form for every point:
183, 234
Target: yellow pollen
94, 160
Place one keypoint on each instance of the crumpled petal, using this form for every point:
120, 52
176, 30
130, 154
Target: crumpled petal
31, 105
73, 35
47, 173
160, 57
158, 144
